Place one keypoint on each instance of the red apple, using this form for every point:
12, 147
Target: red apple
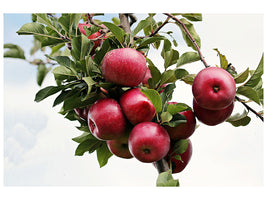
119, 147
82, 112
179, 165
106, 120
149, 142
214, 88
212, 117
183, 130
136, 106
97, 43
147, 76
126, 67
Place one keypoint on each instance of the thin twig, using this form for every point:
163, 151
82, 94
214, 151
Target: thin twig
156, 31
249, 108
190, 37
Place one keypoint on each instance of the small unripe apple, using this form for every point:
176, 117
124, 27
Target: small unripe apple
177, 164
212, 117
126, 67
214, 88
149, 142
136, 106
119, 147
183, 130
106, 120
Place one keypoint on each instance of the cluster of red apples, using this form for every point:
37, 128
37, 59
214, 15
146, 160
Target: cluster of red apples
127, 124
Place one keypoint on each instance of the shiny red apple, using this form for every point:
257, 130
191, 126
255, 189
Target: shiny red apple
106, 120
214, 88
119, 147
183, 130
177, 164
82, 112
149, 142
125, 66
136, 106
212, 117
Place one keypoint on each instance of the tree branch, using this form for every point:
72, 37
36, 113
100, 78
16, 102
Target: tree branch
190, 37
125, 22
162, 165
249, 108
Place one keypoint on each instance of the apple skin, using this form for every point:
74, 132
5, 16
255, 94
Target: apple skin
183, 130
214, 88
178, 165
149, 142
212, 117
97, 43
106, 120
125, 66
136, 106
119, 147
147, 76
82, 112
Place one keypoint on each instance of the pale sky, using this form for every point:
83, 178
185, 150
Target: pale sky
38, 150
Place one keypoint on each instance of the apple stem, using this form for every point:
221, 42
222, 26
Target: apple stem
162, 165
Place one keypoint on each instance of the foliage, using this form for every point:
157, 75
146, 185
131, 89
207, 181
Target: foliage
79, 81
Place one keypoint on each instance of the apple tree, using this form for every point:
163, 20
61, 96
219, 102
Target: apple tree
122, 101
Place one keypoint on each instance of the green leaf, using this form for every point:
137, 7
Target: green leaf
62, 96
41, 73
90, 145
43, 19
189, 79
14, 51
165, 117
154, 97
187, 57
256, 76
249, 93
180, 73
90, 82
144, 42
116, 20
62, 72
36, 29
176, 120
240, 78
193, 33
176, 108
103, 154
165, 179
193, 16
155, 73
85, 136
76, 101
223, 60
170, 58
168, 77
81, 47
180, 146
141, 25
117, 31
46, 92
239, 119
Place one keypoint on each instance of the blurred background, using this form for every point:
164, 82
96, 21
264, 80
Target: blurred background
38, 150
